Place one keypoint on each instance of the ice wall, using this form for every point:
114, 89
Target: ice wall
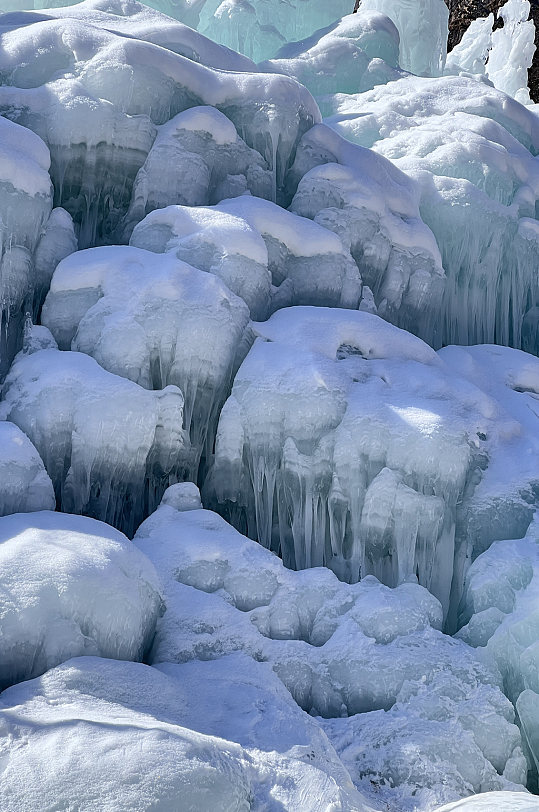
348, 443
423, 30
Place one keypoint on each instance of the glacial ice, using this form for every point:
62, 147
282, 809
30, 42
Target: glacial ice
109, 446
159, 322
471, 151
131, 737
70, 586
25, 486
334, 646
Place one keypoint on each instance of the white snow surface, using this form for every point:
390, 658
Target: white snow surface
25, 485
133, 737
70, 586
334, 647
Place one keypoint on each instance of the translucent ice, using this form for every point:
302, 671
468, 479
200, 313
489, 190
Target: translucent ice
352, 55
422, 26
109, 446
24, 484
70, 586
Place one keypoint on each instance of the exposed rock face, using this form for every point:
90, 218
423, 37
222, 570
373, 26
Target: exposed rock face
461, 14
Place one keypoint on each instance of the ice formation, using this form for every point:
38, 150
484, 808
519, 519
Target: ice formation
100, 121
422, 26
70, 586
471, 150
500, 611
33, 236
109, 446
157, 321
354, 54
25, 486
334, 647
504, 55
349, 443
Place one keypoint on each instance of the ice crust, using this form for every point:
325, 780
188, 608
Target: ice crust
471, 151
334, 647
159, 322
70, 586
110, 446
33, 236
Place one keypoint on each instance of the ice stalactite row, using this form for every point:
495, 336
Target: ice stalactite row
157, 321
109, 446
334, 647
348, 443
100, 122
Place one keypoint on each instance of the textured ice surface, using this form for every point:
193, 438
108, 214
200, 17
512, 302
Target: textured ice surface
500, 610
32, 239
471, 149
374, 209
109, 446
70, 586
422, 26
200, 736
24, 484
197, 158
498, 801
97, 97
267, 255
352, 55
335, 646
349, 443
157, 321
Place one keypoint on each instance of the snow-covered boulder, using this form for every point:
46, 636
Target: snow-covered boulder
109, 445
204, 736
71, 586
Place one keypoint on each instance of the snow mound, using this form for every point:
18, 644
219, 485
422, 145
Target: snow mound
334, 646
71, 586
109, 446
25, 486
471, 151
117, 736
